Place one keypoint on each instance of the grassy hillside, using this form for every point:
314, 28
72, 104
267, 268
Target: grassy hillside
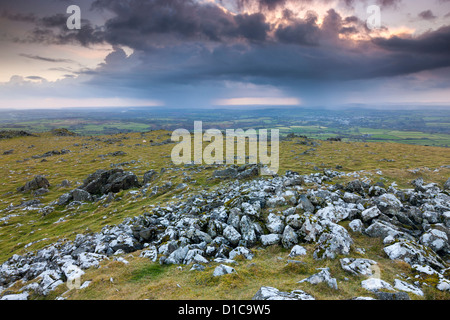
24, 230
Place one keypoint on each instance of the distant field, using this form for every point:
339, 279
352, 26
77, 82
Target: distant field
82, 127
371, 135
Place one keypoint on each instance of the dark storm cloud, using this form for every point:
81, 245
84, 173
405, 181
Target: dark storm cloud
436, 43
138, 24
22, 17
173, 40
300, 31
186, 43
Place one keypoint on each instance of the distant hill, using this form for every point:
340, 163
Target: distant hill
62, 132
8, 134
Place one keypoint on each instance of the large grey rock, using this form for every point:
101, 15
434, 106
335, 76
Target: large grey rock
274, 224
323, 276
251, 209
382, 229
270, 239
407, 287
413, 253
37, 182
227, 173
88, 260
356, 225
65, 199
270, 293
105, 181
311, 228
177, 257
355, 186
223, 270
376, 284
304, 204
247, 229
197, 236
358, 266
232, 235
20, 296
392, 295
388, 204
234, 218
275, 201
81, 195
295, 221
446, 218
370, 213
333, 213
150, 253
289, 238
297, 251
447, 184
241, 251
333, 241
436, 240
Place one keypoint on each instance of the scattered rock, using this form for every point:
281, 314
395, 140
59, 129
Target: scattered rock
356, 225
270, 293
274, 224
323, 276
270, 239
413, 253
297, 251
38, 182
223, 270
370, 213
447, 184
289, 238
150, 176
105, 181
375, 284
334, 240
404, 286
20, 296
392, 296
358, 266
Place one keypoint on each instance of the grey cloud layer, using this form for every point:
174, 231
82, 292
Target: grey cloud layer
186, 43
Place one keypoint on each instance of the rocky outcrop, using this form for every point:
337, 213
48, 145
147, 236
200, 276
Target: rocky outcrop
229, 221
104, 181
63, 132
9, 134
38, 182
101, 182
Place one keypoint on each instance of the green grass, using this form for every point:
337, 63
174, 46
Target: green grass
148, 272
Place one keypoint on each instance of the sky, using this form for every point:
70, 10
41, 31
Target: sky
224, 53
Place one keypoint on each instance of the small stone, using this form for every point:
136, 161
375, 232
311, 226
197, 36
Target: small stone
375, 284
297, 251
223, 270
